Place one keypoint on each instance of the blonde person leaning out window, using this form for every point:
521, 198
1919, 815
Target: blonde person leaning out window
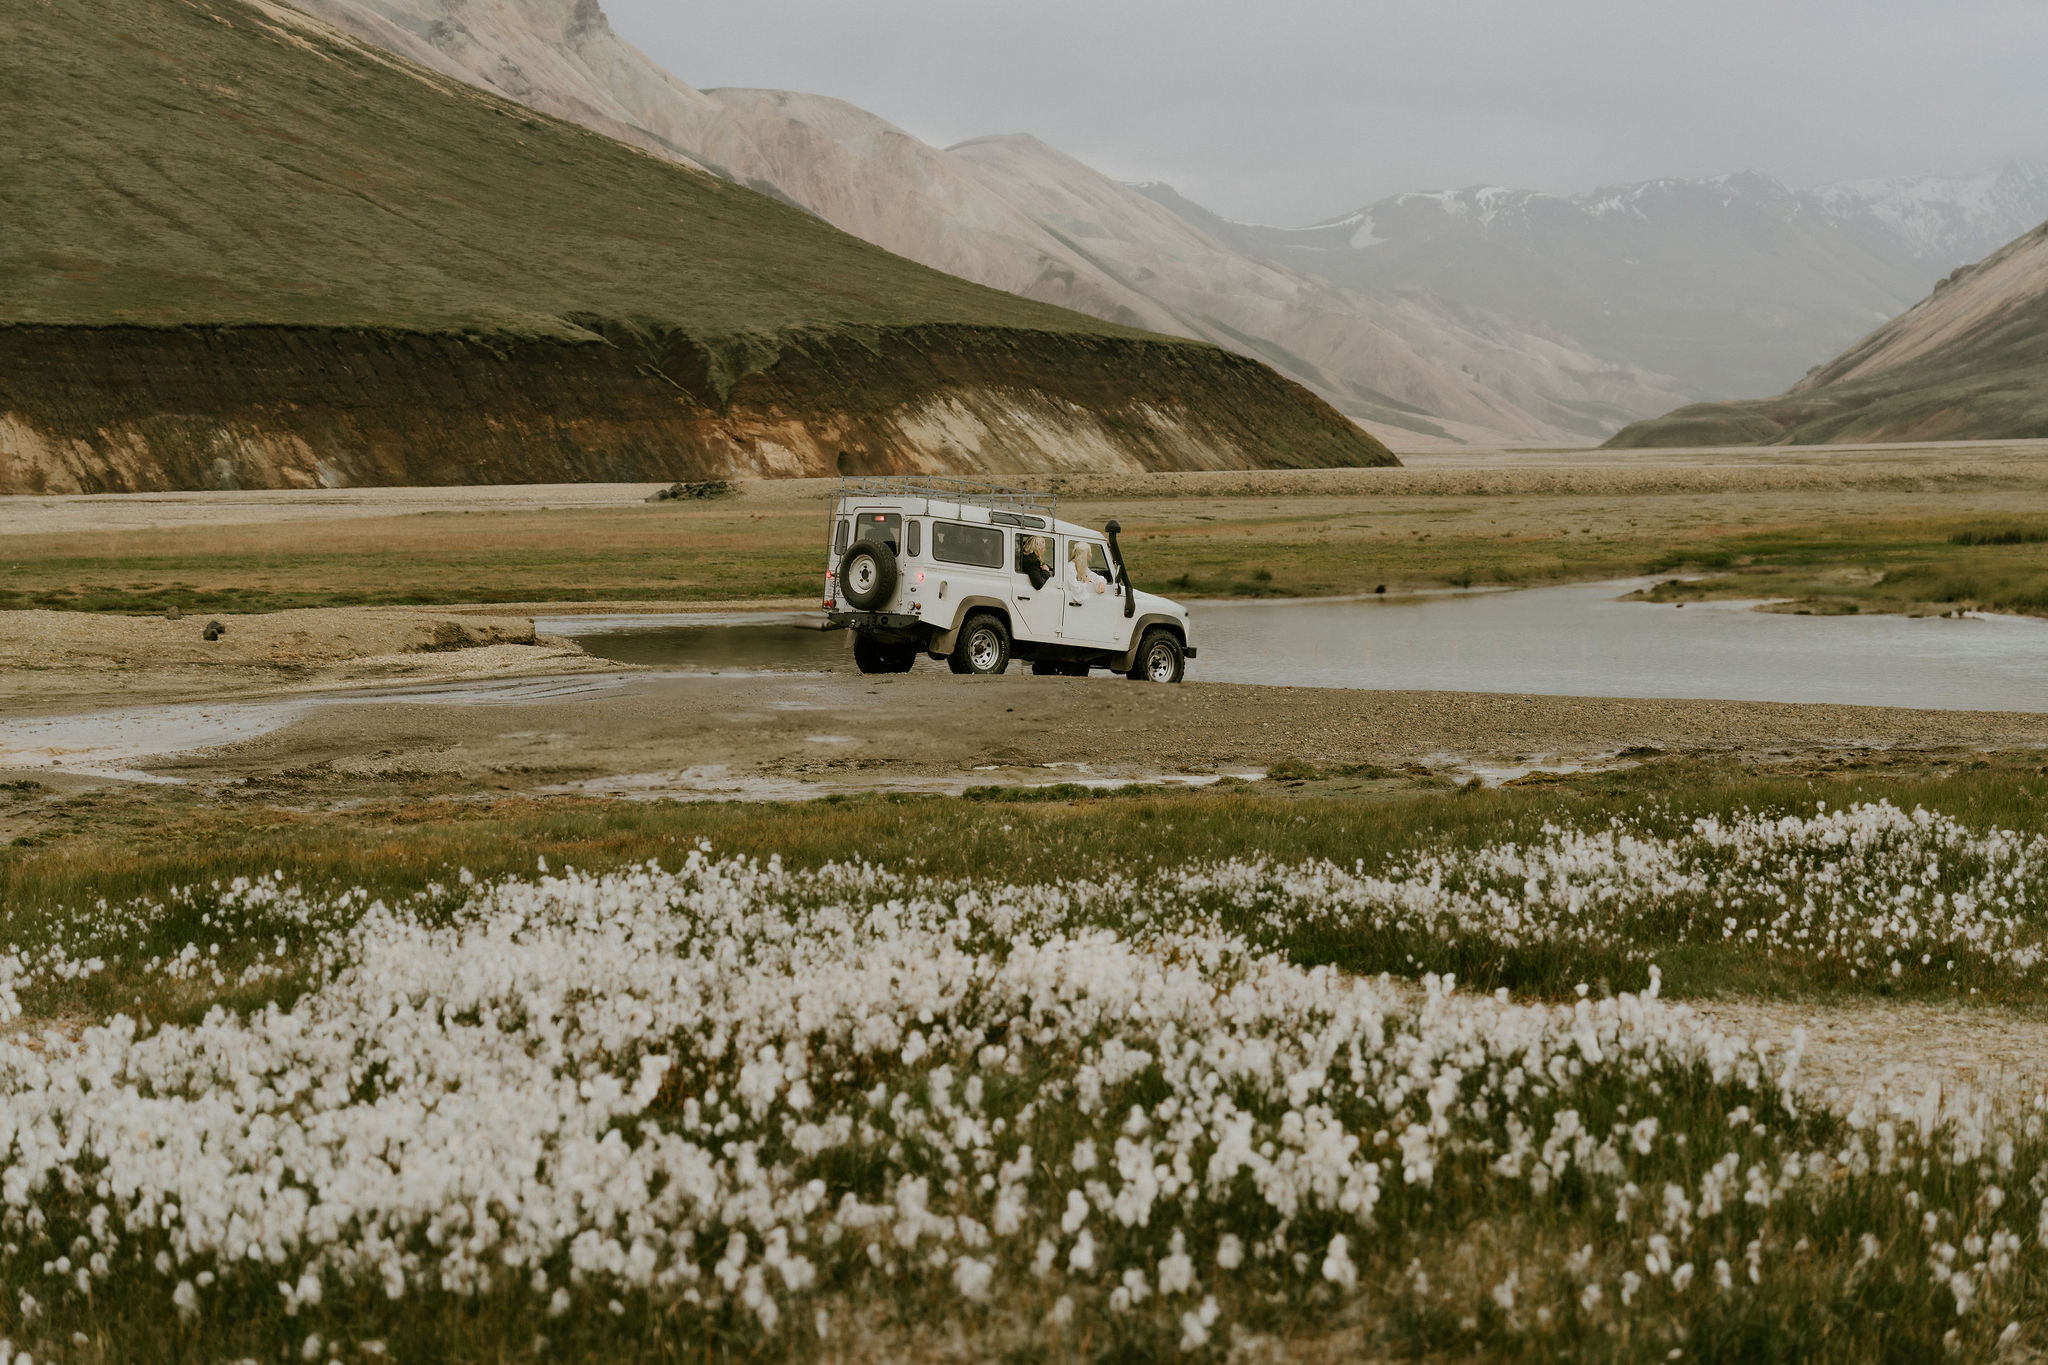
1081, 579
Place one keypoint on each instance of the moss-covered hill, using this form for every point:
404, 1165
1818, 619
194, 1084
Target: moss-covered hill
1969, 362
240, 247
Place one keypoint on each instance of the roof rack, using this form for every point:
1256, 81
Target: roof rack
975, 492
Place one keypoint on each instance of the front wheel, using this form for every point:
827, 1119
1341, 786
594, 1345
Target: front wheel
983, 646
1159, 658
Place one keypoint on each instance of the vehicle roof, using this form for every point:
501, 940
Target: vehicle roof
919, 505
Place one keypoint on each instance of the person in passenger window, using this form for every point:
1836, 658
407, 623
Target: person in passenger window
1082, 578
1031, 561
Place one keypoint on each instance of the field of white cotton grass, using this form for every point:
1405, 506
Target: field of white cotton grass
729, 1110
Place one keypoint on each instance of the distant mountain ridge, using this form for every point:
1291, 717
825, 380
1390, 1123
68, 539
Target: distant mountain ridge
1736, 285
1399, 359
1969, 362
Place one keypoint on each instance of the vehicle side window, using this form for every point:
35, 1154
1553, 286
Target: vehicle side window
978, 546
1034, 554
839, 538
885, 527
913, 539
1098, 560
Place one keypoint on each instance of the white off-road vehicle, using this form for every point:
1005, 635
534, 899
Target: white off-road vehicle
978, 574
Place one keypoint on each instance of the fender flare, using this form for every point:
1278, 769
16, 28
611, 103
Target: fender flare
942, 643
1128, 660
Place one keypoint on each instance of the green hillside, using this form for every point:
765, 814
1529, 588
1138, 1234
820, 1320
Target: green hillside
290, 201
220, 162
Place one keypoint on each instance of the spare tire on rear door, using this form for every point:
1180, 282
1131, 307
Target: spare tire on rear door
867, 574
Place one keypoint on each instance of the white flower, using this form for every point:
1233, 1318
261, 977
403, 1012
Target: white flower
1176, 1268
458, 1103
1337, 1266
971, 1277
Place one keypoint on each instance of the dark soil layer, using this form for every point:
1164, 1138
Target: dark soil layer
243, 249
129, 409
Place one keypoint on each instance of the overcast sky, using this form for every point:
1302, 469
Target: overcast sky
1294, 110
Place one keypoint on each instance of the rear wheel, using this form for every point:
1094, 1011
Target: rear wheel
1159, 658
882, 656
983, 647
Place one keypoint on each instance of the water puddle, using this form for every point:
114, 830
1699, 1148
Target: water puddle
717, 782
110, 743
1582, 640
1579, 640
710, 642
114, 743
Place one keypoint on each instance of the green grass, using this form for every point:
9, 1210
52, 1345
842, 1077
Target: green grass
123, 849
631, 553
1941, 565
2007, 535
668, 552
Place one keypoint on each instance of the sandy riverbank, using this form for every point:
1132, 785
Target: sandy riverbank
646, 734
55, 662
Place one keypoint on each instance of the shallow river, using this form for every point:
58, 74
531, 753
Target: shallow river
1579, 640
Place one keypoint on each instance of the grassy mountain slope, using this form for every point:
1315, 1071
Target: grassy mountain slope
244, 248
1017, 216
1969, 362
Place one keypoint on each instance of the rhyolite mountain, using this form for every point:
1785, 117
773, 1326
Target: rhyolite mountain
1969, 362
243, 248
1736, 285
1014, 214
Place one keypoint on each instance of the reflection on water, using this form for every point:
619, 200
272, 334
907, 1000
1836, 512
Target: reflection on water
721, 642
1580, 640
1584, 641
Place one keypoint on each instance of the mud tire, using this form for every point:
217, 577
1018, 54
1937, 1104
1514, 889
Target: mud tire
982, 648
1159, 658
